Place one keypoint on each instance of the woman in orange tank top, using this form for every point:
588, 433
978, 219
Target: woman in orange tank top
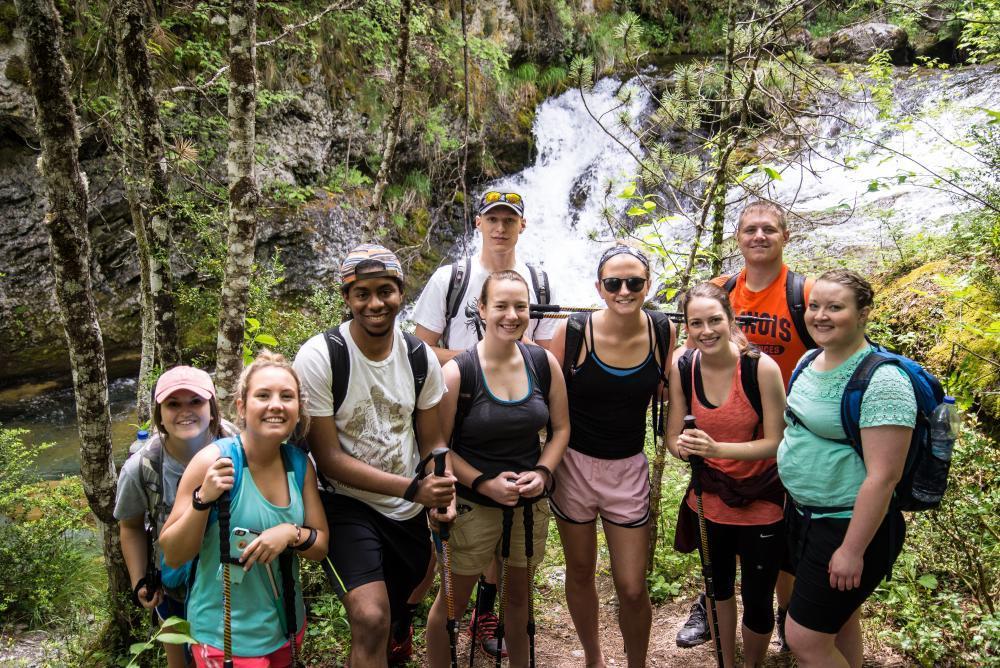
743, 497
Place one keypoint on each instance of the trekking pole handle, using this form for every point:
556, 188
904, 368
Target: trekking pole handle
696, 461
440, 456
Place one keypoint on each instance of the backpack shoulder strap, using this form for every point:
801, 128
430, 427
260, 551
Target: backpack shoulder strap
684, 365
340, 365
795, 295
749, 365
540, 284
467, 388
297, 461
231, 448
417, 356
730, 283
151, 473
854, 392
538, 361
803, 363
457, 285
574, 339
664, 339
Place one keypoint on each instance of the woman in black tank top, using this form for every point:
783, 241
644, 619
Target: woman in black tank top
496, 407
610, 382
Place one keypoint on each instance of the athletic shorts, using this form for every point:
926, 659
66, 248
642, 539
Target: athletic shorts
206, 656
366, 546
812, 541
615, 489
759, 548
475, 537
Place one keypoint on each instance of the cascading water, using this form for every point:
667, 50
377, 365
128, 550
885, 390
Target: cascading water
835, 207
564, 189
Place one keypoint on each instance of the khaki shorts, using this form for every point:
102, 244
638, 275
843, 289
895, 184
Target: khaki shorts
476, 536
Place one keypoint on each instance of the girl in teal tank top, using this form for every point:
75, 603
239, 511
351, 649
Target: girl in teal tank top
269, 513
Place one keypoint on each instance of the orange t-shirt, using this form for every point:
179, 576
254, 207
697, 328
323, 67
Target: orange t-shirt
776, 336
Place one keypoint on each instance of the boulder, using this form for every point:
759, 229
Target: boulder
858, 43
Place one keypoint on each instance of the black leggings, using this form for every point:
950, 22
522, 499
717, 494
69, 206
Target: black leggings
760, 548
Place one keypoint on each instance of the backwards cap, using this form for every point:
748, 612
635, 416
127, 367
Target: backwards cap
369, 261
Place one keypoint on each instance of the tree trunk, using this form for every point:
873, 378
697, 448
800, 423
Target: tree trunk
243, 194
136, 86
69, 244
395, 120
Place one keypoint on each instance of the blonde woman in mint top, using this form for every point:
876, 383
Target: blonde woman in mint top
843, 534
278, 505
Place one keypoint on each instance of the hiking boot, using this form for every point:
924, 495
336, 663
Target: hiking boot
486, 631
401, 652
695, 630
779, 627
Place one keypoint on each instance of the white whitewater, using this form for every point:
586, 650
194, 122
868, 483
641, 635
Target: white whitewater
834, 210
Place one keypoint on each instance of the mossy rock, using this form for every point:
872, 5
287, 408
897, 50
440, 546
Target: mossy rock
944, 329
16, 70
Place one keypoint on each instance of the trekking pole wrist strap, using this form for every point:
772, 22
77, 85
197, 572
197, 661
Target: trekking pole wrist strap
480, 479
308, 542
411, 490
143, 582
197, 502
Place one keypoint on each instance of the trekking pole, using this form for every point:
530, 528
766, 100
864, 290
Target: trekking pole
475, 620
227, 602
706, 559
539, 311
440, 460
288, 600
508, 525
529, 552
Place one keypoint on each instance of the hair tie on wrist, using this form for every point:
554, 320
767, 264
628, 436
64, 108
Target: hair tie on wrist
308, 542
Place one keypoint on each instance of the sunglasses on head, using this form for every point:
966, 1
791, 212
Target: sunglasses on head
495, 196
634, 284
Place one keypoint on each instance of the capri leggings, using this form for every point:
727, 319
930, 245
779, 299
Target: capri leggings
760, 548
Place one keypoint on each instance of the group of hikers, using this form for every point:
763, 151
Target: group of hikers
461, 440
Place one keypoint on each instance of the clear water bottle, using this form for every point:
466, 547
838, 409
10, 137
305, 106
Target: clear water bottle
141, 438
944, 429
930, 480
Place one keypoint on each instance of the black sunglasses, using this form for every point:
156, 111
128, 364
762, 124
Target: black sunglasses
634, 284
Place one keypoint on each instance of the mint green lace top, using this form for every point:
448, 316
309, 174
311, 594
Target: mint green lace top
815, 469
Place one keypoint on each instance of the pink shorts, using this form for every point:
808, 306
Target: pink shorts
207, 656
615, 489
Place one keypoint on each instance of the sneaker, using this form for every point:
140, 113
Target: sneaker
695, 630
401, 652
779, 627
486, 631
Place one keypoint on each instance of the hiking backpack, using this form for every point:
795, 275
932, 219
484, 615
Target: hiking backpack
929, 395
795, 297
458, 283
748, 379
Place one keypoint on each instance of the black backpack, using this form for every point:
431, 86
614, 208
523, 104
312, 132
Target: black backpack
748, 378
795, 296
459, 283
537, 361
340, 364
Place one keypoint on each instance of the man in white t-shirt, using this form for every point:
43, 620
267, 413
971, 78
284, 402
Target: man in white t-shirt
368, 443
500, 220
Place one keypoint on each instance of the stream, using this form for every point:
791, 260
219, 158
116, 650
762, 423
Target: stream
578, 169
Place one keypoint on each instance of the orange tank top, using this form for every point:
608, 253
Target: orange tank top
775, 336
735, 421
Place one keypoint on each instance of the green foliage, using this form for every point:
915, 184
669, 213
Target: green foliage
173, 631
941, 604
981, 32
289, 194
341, 179
48, 566
880, 71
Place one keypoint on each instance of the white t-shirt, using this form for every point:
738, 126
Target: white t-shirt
375, 421
432, 307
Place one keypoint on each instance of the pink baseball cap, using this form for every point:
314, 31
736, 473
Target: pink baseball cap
184, 378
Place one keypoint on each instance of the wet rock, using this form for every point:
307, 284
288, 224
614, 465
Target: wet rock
856, 44
938, 34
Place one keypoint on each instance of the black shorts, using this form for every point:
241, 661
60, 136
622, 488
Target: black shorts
760, 549
366, 546
811, 542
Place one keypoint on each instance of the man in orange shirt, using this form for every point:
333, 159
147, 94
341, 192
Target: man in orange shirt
767, 289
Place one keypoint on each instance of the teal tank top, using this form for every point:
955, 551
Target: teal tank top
257, 615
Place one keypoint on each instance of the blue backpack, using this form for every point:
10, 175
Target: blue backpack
929, 395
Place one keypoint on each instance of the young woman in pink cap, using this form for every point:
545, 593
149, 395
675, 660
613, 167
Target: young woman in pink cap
186, 418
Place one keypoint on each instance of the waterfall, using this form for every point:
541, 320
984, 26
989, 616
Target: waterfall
834, 208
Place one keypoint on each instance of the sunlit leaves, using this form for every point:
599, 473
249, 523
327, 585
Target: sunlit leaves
581, 72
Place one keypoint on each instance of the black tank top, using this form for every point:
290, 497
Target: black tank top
499, 435
607, 405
